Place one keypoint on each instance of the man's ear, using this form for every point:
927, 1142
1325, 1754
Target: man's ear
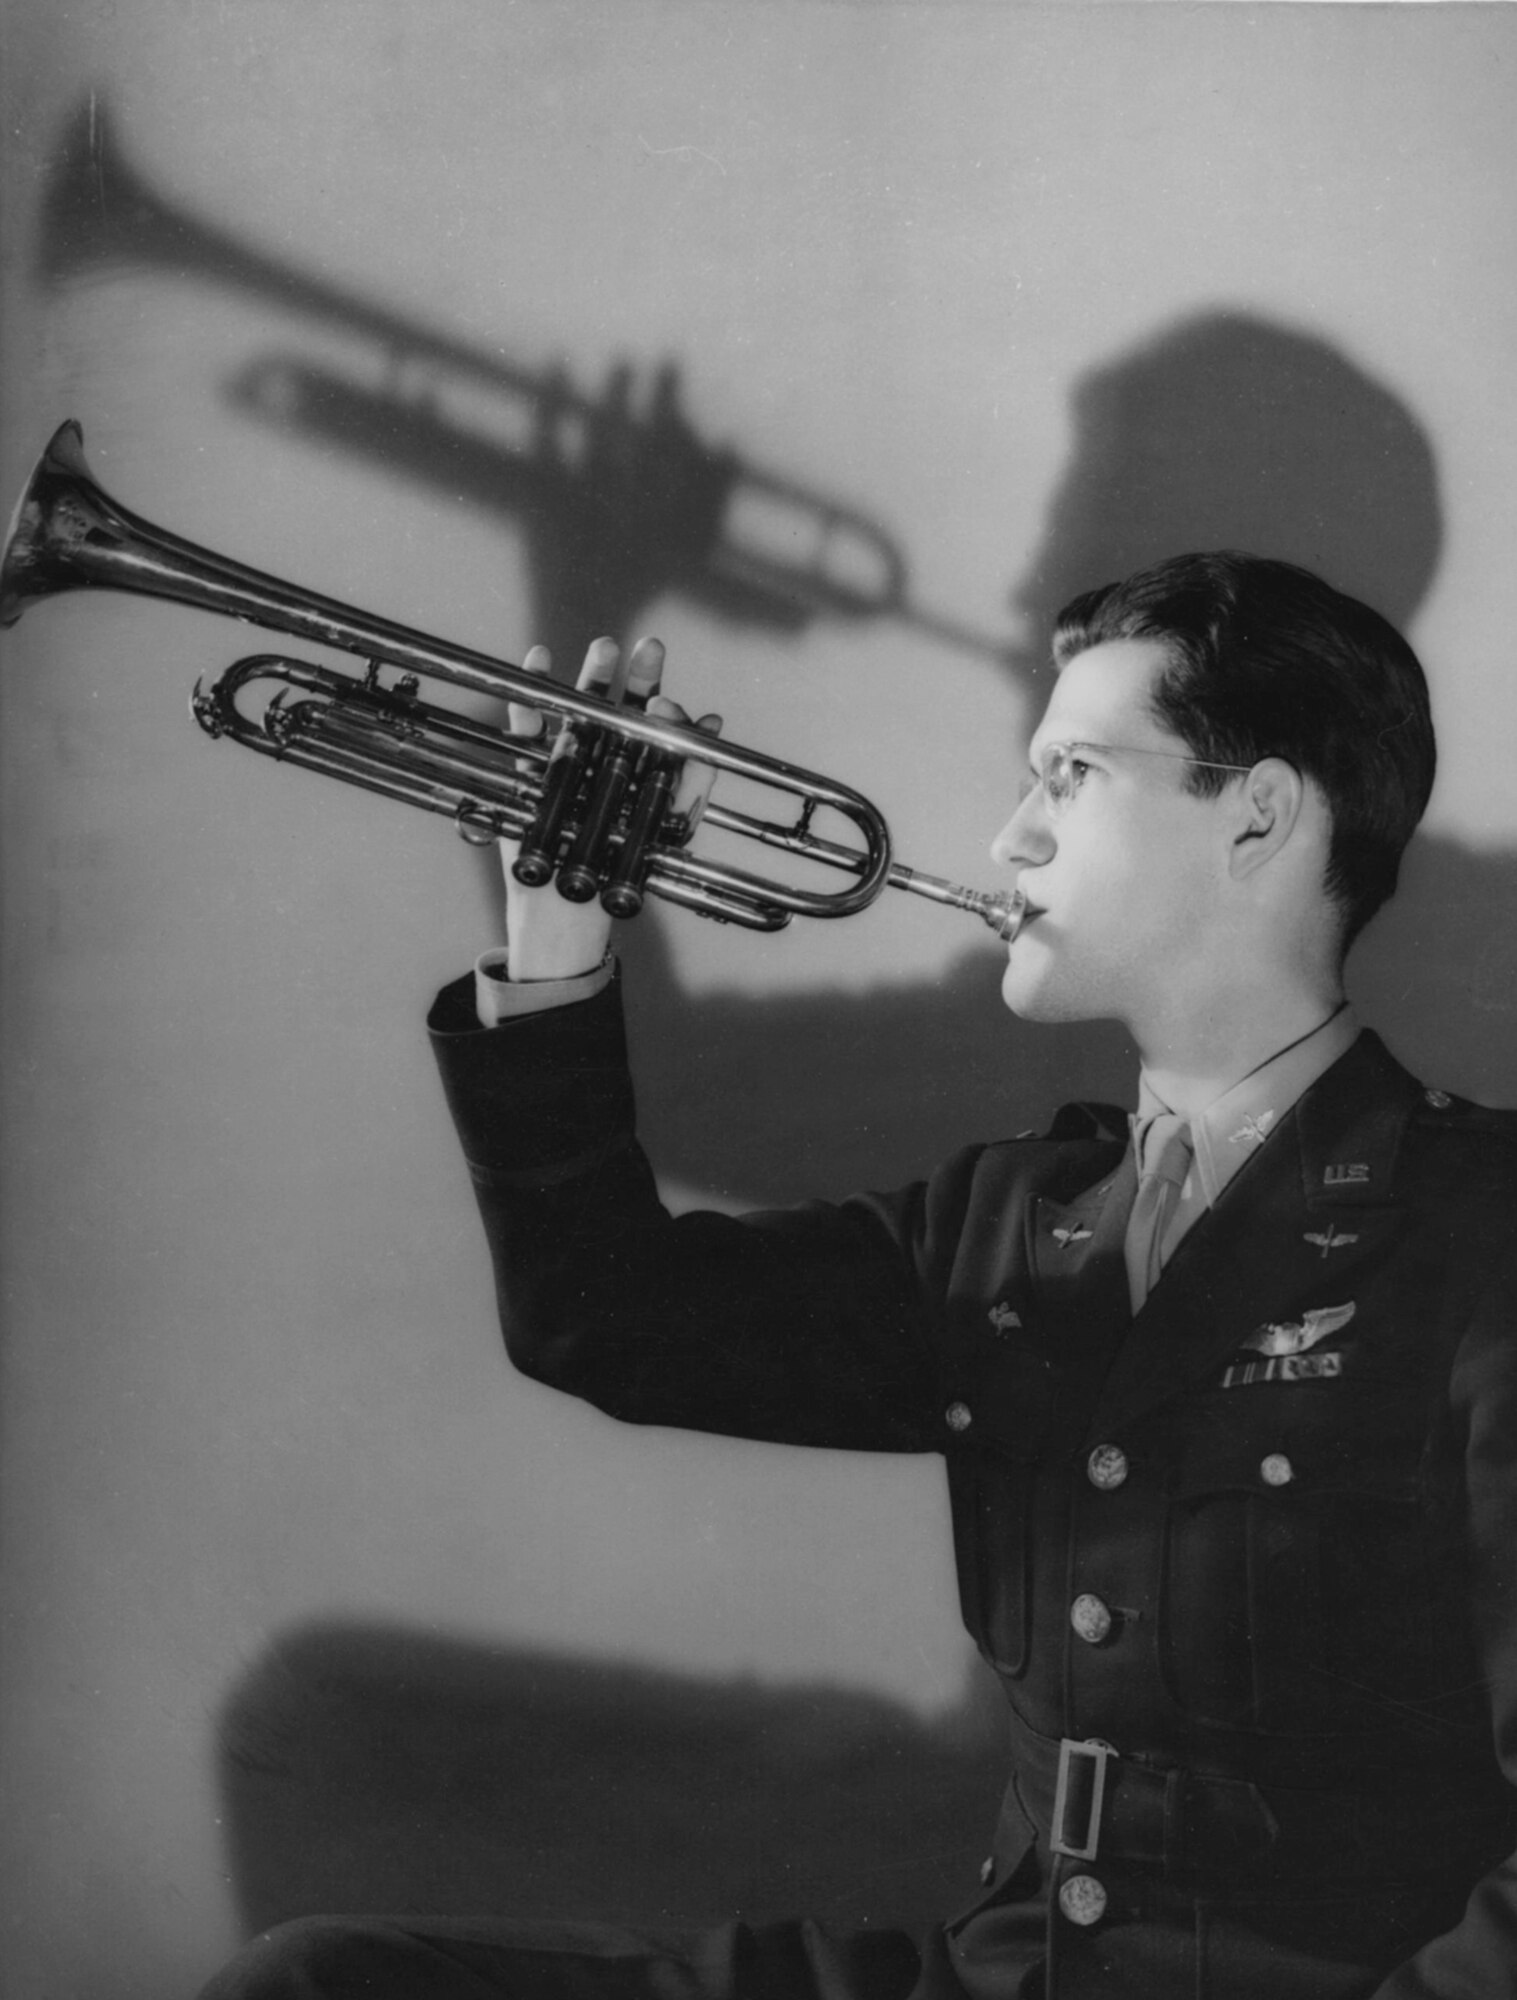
1269, 805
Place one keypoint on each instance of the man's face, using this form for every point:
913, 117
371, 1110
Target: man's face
1124, 879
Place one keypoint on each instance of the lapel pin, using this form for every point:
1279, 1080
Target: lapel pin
1296, 1336
1330, 1238
1003, 1319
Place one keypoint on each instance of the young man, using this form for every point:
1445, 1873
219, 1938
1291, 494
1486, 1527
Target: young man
1228, 1399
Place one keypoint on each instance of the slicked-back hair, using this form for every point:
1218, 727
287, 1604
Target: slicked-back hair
1267, 660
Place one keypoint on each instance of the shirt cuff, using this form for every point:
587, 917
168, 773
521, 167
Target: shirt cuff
498, 998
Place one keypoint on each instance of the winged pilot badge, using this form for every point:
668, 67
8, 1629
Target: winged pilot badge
1296, 1336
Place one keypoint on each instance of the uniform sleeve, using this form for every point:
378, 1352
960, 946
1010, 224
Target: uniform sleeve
804, 1326
1479, 1955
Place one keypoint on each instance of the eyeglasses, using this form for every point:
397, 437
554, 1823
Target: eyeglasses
1064, 770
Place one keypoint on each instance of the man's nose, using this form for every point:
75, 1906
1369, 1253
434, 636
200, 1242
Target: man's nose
1026, 839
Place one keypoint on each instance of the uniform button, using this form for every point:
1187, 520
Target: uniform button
1439, 1099
1090, 1618
1277, 1470
1083, 1900
1106, 1468
958, 1416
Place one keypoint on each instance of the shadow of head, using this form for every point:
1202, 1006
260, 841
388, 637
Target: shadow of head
1230, 431
373, 1767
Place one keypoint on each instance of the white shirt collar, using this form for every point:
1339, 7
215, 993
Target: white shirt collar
1233, 1126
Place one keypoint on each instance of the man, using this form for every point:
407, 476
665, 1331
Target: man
1228, 1401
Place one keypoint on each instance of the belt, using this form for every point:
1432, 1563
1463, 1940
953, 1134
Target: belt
1088, 1799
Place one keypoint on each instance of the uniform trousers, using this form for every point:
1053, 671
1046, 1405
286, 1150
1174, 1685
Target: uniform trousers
424, 1958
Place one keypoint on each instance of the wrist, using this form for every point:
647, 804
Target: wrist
499, 997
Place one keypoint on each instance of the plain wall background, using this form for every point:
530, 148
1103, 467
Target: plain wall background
1034, 291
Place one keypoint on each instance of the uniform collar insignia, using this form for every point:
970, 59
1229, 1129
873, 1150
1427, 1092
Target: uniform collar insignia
1331, 1238
1253, 1131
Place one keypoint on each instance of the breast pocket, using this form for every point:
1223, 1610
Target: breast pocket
1304, 1587
999, 1400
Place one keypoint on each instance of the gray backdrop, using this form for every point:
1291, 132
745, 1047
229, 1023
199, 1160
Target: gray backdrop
837, 344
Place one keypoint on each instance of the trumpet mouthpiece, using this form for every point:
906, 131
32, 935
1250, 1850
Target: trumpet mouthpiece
1005, 914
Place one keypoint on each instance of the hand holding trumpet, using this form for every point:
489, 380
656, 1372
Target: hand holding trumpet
559, 907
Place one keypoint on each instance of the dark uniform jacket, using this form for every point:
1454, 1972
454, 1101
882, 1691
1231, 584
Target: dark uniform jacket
1245, 1564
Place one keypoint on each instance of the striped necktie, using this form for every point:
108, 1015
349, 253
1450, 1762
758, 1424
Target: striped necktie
1164, 1164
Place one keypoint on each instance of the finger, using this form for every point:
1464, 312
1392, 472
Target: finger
522, 720
696, 779
604, 672
644, 671
667, 711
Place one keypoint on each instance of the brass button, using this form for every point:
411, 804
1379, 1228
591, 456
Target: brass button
1106, 1468
958, 1416
1277, 1470
1083, 1900
1439, 1099
1091, 1618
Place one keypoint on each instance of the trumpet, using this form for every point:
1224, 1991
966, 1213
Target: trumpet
591, 802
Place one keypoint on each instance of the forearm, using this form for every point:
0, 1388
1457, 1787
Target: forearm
803, 1325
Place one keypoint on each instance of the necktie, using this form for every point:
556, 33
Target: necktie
1164, 1163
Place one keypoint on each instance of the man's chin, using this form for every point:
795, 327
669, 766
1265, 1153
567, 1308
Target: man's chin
1032, 998
1027, 998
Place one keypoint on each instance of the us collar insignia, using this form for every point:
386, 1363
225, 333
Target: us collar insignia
1253, 1131
1065, 1237
1003, 1319
1331, 1238
1296, 1336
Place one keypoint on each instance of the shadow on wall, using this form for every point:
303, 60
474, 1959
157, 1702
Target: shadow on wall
373, 1767
1436, 971
617, 498
1226, 430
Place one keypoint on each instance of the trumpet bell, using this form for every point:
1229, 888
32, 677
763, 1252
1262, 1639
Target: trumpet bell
43, 524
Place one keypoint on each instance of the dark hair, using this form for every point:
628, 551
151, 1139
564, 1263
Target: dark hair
1267, 660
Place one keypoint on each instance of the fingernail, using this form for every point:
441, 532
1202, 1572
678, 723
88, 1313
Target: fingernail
647, 664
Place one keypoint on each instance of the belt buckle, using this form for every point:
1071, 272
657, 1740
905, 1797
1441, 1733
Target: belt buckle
1099, 1753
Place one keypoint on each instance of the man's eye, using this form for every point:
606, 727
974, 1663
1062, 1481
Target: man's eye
1078, 771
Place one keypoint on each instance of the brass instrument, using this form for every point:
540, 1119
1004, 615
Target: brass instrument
604, 807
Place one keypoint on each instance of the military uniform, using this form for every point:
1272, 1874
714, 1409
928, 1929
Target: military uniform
1245, 1564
